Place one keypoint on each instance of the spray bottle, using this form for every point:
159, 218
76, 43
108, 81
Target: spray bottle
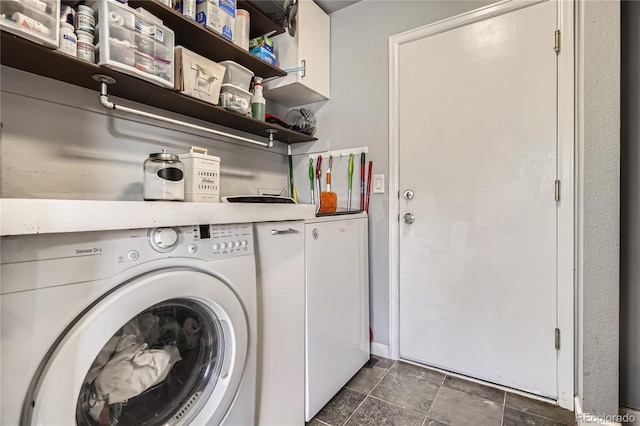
258, 103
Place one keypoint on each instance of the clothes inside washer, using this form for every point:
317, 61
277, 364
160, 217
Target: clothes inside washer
152, 366
131, 368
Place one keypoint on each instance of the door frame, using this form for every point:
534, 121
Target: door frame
566, 259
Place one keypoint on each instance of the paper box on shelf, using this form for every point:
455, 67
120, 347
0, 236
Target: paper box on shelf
201, 176
264, 54
218, 15
197, 76
262, 41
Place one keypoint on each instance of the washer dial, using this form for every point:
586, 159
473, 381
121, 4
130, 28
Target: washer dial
163, 239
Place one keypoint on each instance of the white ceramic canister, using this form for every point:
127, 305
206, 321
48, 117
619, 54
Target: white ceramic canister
85, 47
85, 20
163, 177
68, 39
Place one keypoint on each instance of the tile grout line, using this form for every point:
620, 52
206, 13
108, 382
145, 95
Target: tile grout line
382, 378
504, 405
369, 394
354, 411
434, 400
424, 422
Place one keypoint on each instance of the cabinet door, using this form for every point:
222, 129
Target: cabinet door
313, 47
310, 47
337, 334
280, 270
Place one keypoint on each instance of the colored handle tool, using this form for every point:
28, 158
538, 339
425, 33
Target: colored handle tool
350, 183
313, 198
366, 204
318, 177
362, 177
329, 173
292, 188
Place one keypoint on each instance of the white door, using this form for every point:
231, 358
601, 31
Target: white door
477, 145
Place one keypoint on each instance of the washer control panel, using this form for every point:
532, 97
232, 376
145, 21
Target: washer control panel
205, 242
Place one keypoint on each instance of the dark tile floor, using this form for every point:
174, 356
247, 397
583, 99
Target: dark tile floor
395, 393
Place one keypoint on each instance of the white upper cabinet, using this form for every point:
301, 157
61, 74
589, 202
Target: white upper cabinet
309, 47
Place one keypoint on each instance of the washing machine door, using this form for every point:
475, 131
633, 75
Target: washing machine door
166, 348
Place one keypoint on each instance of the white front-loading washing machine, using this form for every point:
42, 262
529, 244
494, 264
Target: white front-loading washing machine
129, 327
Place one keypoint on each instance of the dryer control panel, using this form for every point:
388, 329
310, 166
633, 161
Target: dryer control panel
204, 242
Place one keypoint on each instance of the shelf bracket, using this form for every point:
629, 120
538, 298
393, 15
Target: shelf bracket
302, 69
105, 80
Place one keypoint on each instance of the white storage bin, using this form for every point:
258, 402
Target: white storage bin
234, 98
35, 20
201, 176
197, 76
134, 43
237, 75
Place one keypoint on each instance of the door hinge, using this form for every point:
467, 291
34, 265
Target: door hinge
556, 46
557, 190
557, 339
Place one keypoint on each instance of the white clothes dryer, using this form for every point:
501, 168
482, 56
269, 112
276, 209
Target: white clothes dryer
129, 327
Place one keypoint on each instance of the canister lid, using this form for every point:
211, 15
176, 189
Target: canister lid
164, 156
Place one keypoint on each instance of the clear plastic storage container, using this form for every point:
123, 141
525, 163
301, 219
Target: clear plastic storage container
234, 98
35, 20
237, 75
132, 43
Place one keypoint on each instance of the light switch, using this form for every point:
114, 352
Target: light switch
378, 184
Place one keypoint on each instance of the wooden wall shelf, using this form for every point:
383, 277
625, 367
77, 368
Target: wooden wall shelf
22, 54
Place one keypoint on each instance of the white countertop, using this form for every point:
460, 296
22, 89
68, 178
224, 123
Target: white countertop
35, 216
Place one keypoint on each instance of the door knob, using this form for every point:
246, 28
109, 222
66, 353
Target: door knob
408, 194
408, 218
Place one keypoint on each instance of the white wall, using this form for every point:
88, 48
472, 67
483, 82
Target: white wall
598, 204
357, 115
58, 142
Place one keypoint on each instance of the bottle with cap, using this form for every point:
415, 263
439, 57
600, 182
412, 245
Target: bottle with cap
258, 103
68, 40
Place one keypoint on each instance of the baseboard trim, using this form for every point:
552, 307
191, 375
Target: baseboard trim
587, 419
630, 417
380, 350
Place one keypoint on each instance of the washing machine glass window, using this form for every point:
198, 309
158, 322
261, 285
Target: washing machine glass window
157, 369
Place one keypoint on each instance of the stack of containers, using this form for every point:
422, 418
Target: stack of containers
85, 32
234, 93
135, 42
35, 20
